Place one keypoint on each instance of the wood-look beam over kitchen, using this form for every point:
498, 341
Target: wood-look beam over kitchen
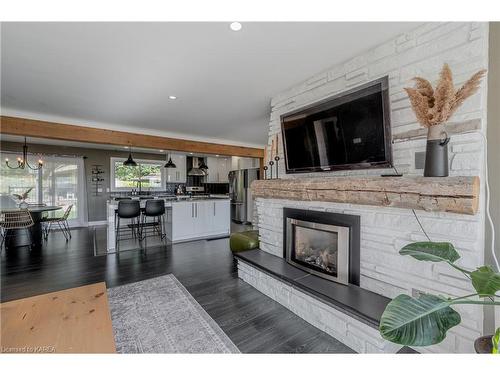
52, 130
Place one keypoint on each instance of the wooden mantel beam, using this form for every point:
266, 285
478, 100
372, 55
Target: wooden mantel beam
52, 130
446, 194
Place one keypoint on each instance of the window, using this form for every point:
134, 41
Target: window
60, 182
148, 175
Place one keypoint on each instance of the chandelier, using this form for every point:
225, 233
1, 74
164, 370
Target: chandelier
22, 162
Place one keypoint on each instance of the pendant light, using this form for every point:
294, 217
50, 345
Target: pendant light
22, 162
170, 163
130, 162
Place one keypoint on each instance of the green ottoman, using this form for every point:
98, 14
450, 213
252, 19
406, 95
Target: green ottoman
243, 241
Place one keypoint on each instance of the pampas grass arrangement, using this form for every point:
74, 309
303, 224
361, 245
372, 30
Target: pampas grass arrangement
434, 106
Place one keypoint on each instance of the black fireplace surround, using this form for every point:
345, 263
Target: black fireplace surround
349, 225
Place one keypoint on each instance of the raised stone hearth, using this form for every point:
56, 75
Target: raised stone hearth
347, 312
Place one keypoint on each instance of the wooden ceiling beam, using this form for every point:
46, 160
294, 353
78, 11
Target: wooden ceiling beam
52, 130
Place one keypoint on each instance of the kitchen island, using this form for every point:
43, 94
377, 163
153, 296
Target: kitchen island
186, 219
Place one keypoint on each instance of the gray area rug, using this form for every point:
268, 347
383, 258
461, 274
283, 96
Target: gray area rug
160, 316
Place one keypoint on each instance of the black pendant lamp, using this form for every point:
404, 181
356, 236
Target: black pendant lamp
130, 162
170, 163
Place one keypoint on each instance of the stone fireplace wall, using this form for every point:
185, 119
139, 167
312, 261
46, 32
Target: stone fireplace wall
464, 46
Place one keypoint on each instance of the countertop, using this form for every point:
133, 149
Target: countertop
176, 199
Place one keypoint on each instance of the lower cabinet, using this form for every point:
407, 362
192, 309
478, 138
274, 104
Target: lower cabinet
190, 220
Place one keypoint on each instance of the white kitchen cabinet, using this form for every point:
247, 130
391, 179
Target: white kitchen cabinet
238, 162
213, 169
182, 220
198, 219
223, 169
218, 169
178, 174
221, 216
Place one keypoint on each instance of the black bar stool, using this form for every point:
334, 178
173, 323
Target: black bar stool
120, 199
127, 209
155, 209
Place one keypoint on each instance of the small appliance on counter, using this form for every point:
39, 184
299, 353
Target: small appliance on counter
196, 191
180, 190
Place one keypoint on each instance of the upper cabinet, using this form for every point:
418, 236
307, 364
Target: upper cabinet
238, 162
224, 168
218, 169
178, 174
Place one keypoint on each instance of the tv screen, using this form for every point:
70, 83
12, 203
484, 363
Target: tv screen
348, 131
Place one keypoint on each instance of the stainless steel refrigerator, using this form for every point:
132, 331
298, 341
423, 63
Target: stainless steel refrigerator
240, 194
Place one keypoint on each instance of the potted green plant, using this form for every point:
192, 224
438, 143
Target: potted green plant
424, 320
22, 198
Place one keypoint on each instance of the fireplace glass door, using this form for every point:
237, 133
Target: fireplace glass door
321, 249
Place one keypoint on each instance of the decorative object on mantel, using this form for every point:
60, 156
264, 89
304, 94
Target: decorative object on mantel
424, 320
22, 162
274, 157
96, 178
265, 171
271, 163
450, 194
22, 198
433, 108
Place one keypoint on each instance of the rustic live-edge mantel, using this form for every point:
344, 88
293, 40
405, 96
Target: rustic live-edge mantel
446, 194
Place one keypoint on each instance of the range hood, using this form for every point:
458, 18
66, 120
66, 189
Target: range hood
195, 168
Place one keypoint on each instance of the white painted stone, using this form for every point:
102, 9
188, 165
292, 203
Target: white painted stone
385, 230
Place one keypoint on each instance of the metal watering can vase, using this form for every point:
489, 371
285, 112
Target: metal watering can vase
436, 154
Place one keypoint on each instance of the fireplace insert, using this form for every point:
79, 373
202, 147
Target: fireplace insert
323, 243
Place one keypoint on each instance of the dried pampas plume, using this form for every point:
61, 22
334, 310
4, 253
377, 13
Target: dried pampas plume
436, 106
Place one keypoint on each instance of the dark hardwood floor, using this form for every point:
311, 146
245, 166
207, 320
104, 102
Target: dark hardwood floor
253, 321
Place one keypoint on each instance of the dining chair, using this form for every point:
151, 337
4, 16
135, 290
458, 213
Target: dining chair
12, 222
61, 221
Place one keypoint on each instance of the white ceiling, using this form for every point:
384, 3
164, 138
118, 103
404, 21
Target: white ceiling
119, 75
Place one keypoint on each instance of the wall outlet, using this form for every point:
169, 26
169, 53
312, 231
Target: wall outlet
419, 160
415, 293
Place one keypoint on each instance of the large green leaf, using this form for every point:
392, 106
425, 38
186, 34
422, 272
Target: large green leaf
418, 321
431, 251
496, 342
485, 281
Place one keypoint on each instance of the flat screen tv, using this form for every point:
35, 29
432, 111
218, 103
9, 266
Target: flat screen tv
351, 130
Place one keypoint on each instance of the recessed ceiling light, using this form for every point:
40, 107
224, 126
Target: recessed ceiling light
235, 26
190, 153
172, 97
161, 150
217, 155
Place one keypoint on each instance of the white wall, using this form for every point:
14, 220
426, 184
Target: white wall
464, 46
493, 154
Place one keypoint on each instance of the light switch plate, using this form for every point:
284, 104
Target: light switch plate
419, 160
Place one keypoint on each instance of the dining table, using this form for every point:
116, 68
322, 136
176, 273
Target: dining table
20, 238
